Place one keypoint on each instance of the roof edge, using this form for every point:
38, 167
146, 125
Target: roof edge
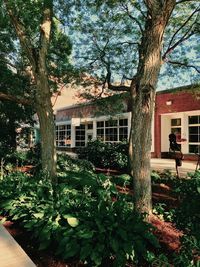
180, 88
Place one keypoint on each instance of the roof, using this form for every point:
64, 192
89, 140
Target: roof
190, 87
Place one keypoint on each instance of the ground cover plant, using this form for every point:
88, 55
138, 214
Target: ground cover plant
89, 217
185, 215
84, 217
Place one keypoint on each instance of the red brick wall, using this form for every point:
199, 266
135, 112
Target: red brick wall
75, 112
181, 101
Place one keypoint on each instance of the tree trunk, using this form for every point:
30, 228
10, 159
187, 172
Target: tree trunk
47, 127
143, 96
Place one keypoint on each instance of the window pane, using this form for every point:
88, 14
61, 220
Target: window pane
175, 122
100, 124
194, 119
193, 138
194, 149
90, 126
123, 134
111, 134
111, 123
193, 130
123, 122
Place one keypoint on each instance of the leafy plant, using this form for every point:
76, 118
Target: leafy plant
106, 155
79, 218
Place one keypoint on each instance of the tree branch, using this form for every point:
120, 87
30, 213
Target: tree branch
184, 65
133, 18
112, 87
182, 1
183, 38
7, 62
15, 99
21, 33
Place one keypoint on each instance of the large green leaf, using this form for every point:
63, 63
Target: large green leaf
72, 221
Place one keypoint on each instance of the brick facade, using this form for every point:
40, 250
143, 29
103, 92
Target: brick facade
179, 102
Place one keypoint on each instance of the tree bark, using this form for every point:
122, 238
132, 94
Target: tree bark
47, 127
142, 98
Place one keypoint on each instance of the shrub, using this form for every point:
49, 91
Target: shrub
187, 216
66, 163
106, 155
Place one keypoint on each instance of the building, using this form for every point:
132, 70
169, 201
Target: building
176, 110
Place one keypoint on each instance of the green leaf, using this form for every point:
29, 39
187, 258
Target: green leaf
72, 221
44, 244
114, 245
38, 215
85, 251
2, 221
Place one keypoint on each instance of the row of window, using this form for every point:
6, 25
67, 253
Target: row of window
117, 130
107, 131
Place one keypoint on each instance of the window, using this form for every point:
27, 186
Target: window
176, 129
112, 130
63, 135
176, 122
80, 136
90, 126
194, 133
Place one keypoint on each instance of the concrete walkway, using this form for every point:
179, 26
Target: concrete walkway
11, 254
169, 164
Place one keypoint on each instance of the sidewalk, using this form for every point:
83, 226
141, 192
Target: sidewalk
11, 254
169, 164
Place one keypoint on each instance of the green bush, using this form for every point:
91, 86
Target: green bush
187, 216
78, 220
66, 163
106, 155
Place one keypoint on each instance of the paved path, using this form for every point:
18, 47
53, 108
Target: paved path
169, 164
11, 254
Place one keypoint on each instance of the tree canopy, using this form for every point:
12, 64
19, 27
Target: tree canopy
110, 39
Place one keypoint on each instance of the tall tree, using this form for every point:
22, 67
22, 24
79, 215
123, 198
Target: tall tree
130, 41
43, 50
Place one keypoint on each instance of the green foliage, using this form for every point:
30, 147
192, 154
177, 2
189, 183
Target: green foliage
97, 50
106, 155
67, 163
187, 216
78, 219
122, 180
162, 211
189, 253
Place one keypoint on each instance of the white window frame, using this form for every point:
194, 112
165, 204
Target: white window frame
67, 132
